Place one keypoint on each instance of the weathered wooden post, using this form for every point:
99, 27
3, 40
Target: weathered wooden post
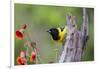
76, 40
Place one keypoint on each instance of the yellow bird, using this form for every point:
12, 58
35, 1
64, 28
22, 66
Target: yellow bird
58, 34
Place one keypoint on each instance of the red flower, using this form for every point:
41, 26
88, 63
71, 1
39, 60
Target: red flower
19, 34
33, 56
19, 61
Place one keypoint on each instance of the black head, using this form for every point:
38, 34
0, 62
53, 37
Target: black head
54, 33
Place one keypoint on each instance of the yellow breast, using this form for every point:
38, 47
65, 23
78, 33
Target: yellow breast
62, 34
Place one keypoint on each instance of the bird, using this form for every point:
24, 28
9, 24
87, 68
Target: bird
58, 34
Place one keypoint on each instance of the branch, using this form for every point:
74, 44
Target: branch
84, 29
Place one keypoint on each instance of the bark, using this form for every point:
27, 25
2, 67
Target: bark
75, 42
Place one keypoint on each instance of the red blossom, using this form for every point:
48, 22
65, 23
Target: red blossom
33, 56
19, 34
19, 61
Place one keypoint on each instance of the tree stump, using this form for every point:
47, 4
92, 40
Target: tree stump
76, 40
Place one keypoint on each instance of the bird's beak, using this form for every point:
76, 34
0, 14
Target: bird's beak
48, 31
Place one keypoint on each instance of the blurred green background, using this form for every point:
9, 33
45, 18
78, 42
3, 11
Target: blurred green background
39, 19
